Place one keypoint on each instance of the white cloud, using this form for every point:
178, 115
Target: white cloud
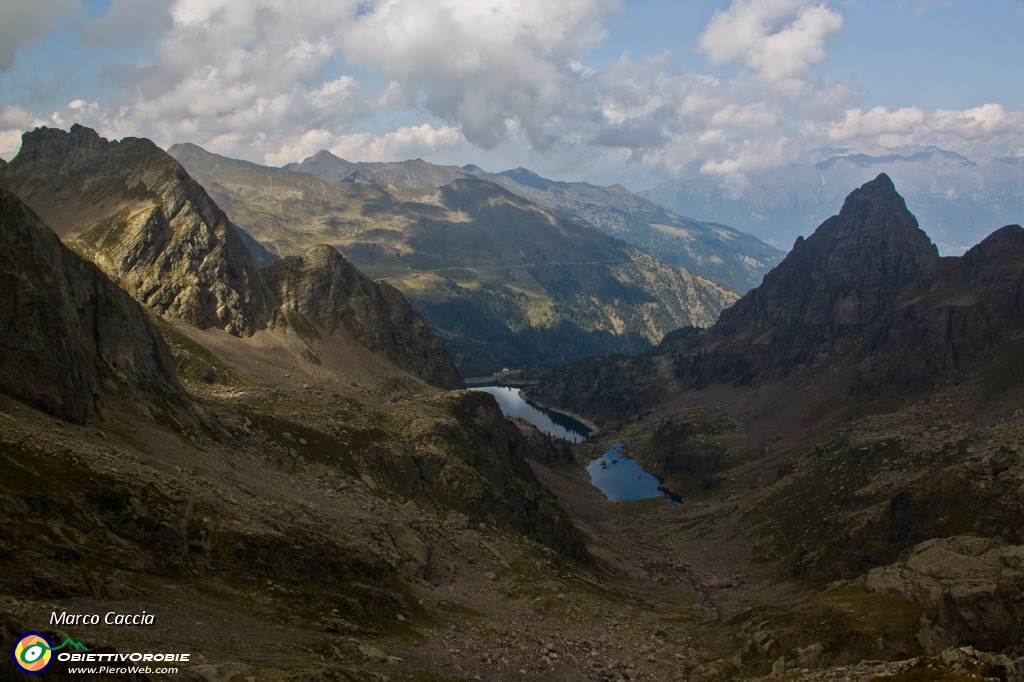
985, 131
856, 124
494, 82
249, 77
777, 41
245, 77
484, 63
129, 21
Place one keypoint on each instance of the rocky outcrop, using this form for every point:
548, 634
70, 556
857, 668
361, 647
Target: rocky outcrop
67, 333
328, 291
972, 586
475, 463
136, 213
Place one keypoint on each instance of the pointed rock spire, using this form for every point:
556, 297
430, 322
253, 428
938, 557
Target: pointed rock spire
839, 279
830, 288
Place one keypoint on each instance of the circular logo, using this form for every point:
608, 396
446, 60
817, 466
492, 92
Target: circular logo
32, 653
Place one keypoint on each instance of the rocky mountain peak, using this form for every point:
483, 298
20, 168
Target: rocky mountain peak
71, 152
132, 209
1003, 241
839, 279
829, 289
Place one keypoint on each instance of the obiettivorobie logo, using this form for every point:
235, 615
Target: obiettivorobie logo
34, 654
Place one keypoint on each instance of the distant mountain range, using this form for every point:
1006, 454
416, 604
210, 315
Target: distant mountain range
717, 252
502, 280
956, 200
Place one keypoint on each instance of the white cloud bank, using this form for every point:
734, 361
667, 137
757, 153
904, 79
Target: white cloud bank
277, 80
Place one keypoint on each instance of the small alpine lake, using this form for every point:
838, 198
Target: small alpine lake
621, 479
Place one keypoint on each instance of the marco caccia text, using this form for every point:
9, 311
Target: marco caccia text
110, 618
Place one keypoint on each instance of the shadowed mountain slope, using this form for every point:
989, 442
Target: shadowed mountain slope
827, 291
68, 333
291, 489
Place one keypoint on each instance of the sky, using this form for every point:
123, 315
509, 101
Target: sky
597, 90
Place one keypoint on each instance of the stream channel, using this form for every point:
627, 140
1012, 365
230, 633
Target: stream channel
620, 478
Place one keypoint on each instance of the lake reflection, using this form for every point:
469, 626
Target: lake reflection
546, 421
621, 479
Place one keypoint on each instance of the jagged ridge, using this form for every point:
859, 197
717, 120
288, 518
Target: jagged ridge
131, 209
330, 292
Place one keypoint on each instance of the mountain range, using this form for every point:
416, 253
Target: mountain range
714, 251
957, 200
503, 281
278, 461
131, 209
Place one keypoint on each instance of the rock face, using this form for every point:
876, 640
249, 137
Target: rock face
870, 284
66, 329
136, 213
838, 281
330, 292
971, 583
